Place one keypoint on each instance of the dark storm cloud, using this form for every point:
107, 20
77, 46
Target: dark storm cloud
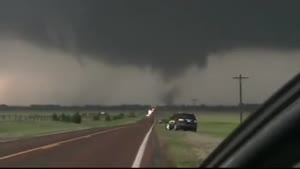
167, 35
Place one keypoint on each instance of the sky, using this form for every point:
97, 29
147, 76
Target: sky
77, 52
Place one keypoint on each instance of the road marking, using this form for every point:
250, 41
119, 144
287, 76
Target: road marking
57, 143
60, 132
50, 146
88, 136
4, 141
47, 134
141, 152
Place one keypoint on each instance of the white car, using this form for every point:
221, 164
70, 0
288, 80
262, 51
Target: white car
150, 111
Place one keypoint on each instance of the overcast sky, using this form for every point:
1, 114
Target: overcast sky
145, 52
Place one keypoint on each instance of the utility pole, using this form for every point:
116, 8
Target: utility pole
241, 78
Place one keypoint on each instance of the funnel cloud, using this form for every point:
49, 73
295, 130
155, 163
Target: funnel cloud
170, 96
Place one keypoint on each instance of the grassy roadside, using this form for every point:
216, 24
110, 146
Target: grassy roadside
189, 149
178, 150
24, 129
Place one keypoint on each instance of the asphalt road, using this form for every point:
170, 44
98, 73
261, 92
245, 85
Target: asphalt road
106, 147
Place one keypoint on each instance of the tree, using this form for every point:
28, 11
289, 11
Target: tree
121, 115
77, 118
63, 117
55, 117
107, 117
96, 117
116, 117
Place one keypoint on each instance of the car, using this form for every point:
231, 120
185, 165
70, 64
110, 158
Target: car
267, 139
150, 111
182, 121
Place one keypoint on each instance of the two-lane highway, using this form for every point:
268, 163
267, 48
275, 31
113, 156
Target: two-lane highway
124, 146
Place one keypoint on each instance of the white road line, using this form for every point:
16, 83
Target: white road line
50, 146
57, 143
141, 152
60, 132
4, 141
47, 134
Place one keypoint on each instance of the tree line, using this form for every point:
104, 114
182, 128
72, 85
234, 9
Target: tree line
77, 117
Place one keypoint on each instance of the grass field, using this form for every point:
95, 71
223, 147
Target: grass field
19, 125
189, 149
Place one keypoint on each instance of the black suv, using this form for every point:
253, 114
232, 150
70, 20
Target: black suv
182, 121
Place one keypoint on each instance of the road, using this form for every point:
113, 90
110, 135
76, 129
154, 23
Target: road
123, 146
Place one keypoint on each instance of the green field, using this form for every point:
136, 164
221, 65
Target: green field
189, 149
15, 125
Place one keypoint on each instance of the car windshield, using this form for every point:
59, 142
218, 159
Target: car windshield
88, 83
